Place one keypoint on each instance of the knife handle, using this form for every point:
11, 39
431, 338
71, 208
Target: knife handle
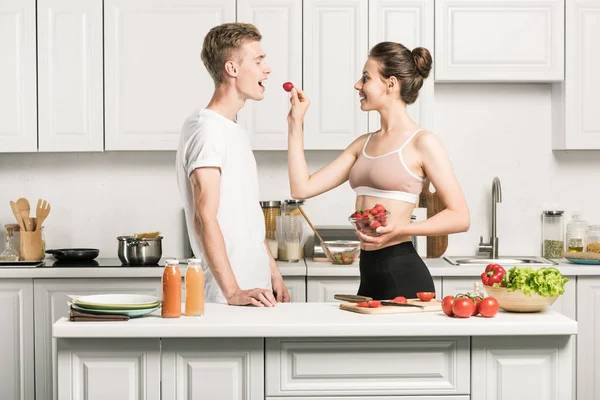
351, 298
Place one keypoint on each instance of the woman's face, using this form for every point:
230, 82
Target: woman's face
372, 87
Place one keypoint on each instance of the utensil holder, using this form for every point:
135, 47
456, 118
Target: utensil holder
31, 247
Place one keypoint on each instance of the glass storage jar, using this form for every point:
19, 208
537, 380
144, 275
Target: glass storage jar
10, 252
576, 233
290, 207
553, 234
271, 210
593, 239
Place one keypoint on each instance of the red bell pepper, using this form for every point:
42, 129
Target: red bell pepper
493, 274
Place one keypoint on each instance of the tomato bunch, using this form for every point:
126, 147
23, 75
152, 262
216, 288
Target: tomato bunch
465, 305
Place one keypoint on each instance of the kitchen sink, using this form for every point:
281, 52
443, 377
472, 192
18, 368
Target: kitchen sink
529, 261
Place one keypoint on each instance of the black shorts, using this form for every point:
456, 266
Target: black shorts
393, 271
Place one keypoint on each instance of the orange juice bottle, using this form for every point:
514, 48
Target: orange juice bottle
194, 288
171, 290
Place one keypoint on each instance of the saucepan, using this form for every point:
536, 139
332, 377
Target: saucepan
140, 251
74, 254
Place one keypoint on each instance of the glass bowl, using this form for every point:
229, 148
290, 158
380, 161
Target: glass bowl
341, 252
368, 226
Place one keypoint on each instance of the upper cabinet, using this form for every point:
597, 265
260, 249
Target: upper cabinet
18, 102
280, 24
576, 120
154, 77
409, 22
70, 86
335, 50
493, 40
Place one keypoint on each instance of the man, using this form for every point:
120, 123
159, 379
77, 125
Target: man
217, 176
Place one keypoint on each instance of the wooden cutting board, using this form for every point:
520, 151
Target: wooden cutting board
436, 245
433, 305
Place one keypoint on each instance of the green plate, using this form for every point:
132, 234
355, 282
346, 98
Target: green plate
117, 302
129, 313
582, 261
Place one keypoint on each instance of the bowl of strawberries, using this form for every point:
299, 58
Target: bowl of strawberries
367, 221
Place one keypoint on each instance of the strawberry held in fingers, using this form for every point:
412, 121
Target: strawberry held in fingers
367, 221
288, 86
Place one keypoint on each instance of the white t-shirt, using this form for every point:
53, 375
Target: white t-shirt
208, 139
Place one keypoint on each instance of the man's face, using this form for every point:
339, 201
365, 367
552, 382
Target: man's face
252, 71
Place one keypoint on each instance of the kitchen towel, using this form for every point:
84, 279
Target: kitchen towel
81, 316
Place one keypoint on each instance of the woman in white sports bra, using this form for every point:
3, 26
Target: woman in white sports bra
387, 167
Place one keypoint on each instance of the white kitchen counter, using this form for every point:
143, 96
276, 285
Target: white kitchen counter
440, 267
316, 320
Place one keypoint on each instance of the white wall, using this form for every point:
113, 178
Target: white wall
488, 130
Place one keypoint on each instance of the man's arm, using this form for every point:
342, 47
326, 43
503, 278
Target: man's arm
206, 184
280, 290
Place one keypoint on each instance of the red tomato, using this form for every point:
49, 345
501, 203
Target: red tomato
488, 307
425, 296
363, 304
374, 303
463, 307
476, 300
288, 86
447, 304
400, 299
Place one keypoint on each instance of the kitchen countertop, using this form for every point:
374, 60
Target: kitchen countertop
440, 267
316, 320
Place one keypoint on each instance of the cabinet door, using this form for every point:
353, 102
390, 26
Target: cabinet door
71, 110
213, 369
280, 24
109, 369
51, 304
335, 50
296, 285
18, 100
154, 77
408, 22
576, 120
588, 338
16, 349
491, 40
322, 289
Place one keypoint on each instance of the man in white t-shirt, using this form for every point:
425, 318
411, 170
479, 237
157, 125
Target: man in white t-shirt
216, 173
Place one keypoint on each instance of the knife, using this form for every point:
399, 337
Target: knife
355, 299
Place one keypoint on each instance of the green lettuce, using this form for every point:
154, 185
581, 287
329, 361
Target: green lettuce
547, 282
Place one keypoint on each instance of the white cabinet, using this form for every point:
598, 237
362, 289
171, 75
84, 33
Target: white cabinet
71, 113
212, 369
16, 348
280, 24
296, 286
451, 286
521, 367
109, 369
335, 34
588, 337
154, 77
499, 41
18, 99
409, 22
359, 367
323, 288
51, 304
576, 120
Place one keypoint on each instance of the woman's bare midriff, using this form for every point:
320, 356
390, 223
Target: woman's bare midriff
400, 212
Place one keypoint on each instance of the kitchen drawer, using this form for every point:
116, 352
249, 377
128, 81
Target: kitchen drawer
367, 367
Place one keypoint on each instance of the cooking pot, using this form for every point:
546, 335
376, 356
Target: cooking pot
141, 251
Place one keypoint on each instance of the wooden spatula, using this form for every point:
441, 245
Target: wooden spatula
24, 210
17, 214
41, 212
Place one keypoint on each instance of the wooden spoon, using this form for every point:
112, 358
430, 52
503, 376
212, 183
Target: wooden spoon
24, 209
15, 210
310, 223
41, 212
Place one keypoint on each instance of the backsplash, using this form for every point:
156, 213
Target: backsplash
488, 130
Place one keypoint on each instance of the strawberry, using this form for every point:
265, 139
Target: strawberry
382, 218
375, 224
378, 209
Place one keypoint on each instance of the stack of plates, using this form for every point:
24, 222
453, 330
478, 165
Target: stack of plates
132, 305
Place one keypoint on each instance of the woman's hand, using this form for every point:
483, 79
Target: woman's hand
300, 104
387, 235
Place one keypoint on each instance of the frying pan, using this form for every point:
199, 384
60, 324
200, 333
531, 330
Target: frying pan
74, 254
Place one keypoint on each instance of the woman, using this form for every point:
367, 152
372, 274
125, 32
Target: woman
386, 167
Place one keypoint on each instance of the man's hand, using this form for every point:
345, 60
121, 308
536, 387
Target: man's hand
255, 297
279, 289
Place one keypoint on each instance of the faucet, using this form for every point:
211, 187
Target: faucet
492, 246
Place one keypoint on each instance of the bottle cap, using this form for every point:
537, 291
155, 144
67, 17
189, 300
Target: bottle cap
194, 261
172, 261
